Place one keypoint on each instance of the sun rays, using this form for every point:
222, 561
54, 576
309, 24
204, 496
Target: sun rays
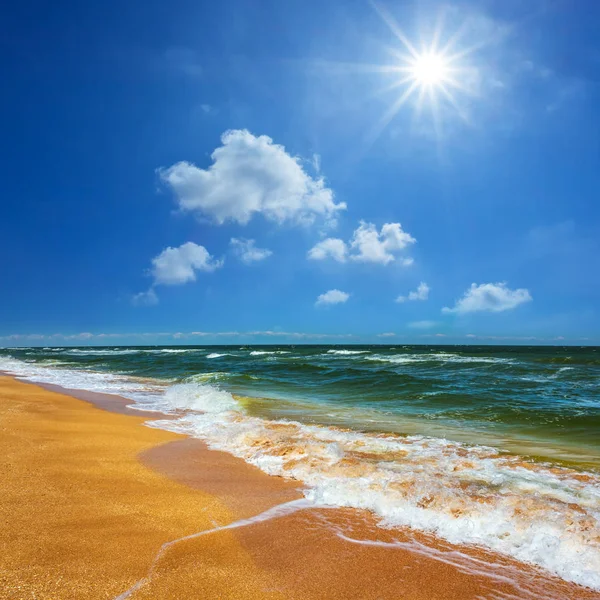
430, 76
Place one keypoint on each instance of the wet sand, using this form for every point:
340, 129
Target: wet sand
89, 497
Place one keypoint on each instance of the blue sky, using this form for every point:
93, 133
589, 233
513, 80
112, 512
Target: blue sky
247, 172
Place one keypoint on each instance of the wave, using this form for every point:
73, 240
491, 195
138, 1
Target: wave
444, 357
93, 381
347, 352
217, 355
91, 352
464, 494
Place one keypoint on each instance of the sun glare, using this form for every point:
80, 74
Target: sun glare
430, 69
434, 75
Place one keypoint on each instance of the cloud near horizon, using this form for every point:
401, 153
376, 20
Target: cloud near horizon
251, 175
490, 297
332, 297
367, 245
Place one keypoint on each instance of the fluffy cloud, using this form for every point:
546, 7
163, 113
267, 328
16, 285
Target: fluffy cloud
331, 247
332, 297
367, 245
371, 246
251, 175
421, 293
247, 251
491, 297
174, 266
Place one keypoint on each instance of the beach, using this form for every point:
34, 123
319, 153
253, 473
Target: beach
94, 503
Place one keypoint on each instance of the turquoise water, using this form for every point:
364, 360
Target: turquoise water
486, 445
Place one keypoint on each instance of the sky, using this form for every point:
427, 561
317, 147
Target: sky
300, 172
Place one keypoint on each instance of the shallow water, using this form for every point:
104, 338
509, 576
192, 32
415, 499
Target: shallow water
495, 446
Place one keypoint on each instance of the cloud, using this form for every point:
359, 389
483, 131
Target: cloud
367, 245
174, 266
247, 251
491, 297
422, 324
251, 175
379, 247
148, 298
387, 334
332, 297
331, 247
421, 293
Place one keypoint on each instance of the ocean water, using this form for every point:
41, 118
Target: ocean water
486, 445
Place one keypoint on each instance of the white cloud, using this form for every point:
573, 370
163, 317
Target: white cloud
367, 245
251, 175
148, 298
174, 266
492, 297
387, 334
247, 251
372, 246
332, 297
422, 324
331, 247
421, 293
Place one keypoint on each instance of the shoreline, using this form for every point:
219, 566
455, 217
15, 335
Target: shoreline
184, 489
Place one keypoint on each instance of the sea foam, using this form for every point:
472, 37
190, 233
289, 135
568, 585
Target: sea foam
546, 516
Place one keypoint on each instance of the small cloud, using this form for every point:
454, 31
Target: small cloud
331, 247
421, 293
490, 297
174, 266
148, 298
385, 335
247, 251
332, 297
379, 247
251, 175
422, 324
367, 245
207, 109
316, 163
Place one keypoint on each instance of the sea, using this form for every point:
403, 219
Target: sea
492, 446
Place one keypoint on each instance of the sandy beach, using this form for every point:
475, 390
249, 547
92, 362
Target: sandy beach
92, 499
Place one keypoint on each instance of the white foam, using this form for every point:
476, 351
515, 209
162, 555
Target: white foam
217, 355
444, 357
261, 352
464, 494
107, 383
193, 396
347, 352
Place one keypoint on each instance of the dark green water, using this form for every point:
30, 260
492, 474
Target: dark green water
538, 401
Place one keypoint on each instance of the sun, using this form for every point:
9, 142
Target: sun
430, 69
432, 75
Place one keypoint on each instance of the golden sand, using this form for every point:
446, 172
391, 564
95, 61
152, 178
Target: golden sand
81, 517
89, 497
